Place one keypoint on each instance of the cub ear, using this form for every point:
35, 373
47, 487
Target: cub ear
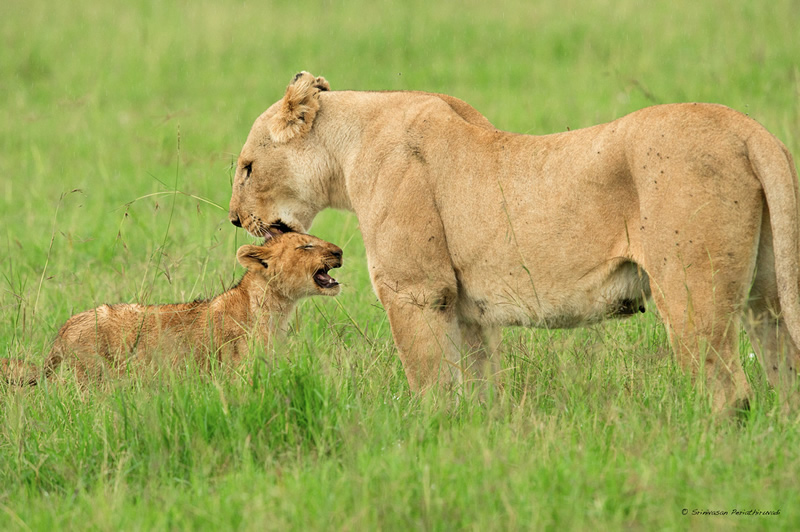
298, 107
253, 258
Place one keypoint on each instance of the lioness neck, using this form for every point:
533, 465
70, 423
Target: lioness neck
340, 131
362, 132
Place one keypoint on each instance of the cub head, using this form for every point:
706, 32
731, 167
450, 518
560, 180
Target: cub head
294, 263
282, 173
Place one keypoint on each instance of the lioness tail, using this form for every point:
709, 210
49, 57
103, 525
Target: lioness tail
774, 167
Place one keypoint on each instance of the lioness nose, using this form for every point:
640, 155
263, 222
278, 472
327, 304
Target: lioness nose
234, 218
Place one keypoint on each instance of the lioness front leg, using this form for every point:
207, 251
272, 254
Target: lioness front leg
426, 333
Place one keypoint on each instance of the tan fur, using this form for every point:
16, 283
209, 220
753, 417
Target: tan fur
468, 228
111, 338
297, 110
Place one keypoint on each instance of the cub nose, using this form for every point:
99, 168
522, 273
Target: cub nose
336, 252
234, 218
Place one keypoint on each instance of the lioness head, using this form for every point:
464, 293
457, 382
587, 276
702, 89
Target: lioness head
298, 264
280, 178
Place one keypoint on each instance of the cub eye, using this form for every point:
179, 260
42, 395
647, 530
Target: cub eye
306, 246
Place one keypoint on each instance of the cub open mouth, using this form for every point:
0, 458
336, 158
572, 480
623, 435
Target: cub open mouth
324, 280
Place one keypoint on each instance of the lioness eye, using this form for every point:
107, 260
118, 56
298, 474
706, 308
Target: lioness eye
247, 170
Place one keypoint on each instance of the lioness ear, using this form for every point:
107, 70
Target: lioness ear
298, 107
252, 257
319, 82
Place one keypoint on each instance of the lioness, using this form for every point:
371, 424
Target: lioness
468, 228
279, 273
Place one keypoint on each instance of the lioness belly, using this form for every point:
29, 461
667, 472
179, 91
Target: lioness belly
618, 291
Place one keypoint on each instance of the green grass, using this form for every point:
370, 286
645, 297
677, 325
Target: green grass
108, 109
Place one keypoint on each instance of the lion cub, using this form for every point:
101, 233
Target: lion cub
286, 268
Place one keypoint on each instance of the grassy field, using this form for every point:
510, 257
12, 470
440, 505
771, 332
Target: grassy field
119, 123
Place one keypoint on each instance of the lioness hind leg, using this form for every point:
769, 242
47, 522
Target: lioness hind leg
701, 300
704, 338
480, 359
775, 350
713, 357
700, 252
768, 333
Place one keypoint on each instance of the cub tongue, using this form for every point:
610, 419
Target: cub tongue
325, 280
